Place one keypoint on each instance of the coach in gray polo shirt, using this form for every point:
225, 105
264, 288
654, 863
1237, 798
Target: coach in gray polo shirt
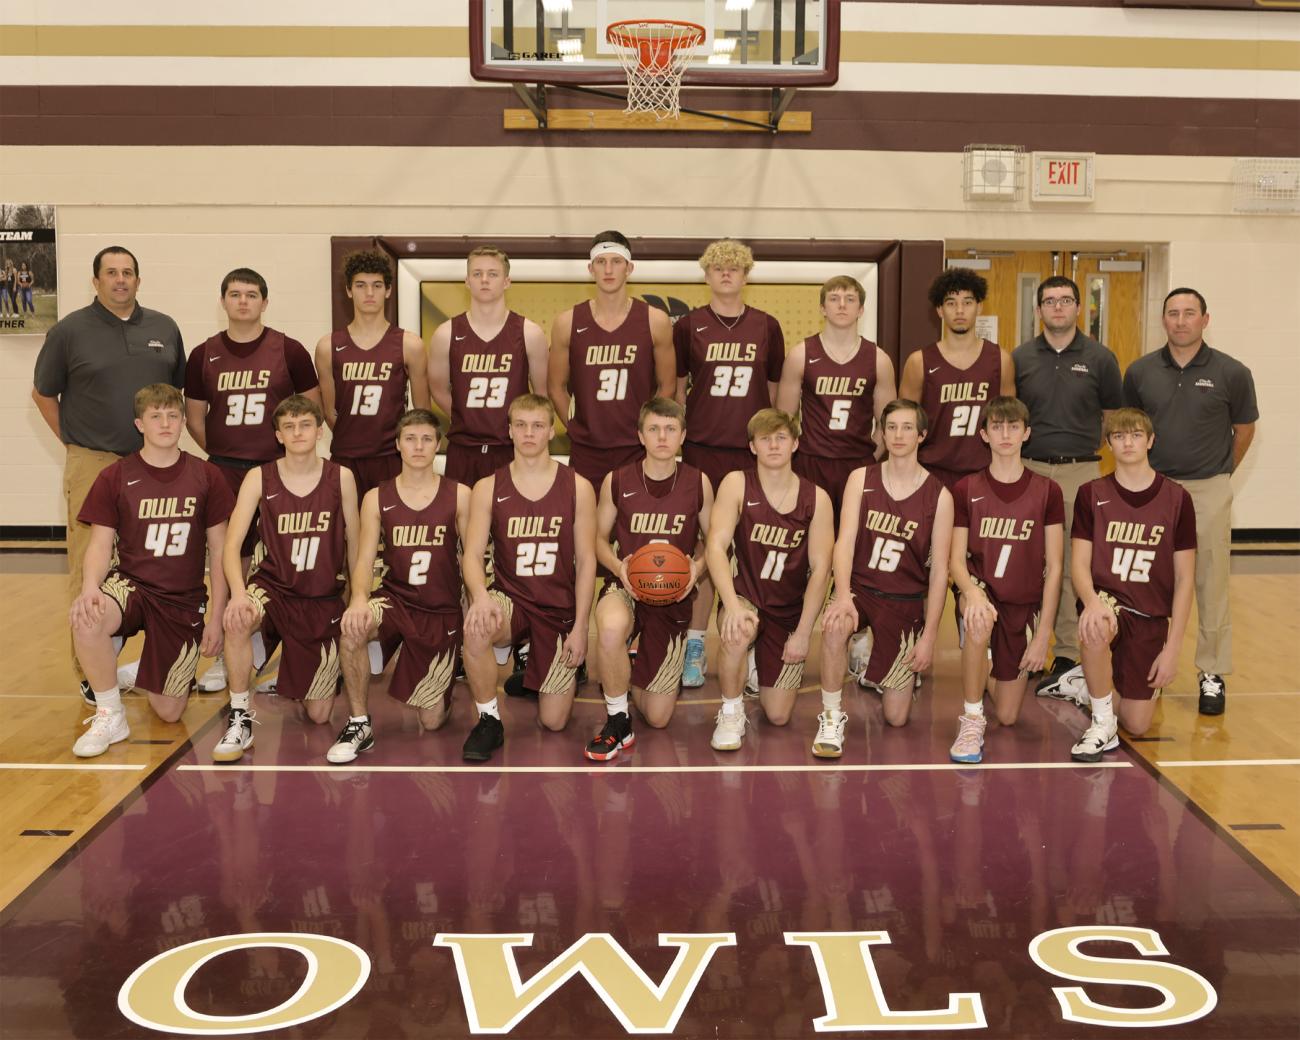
1068, 381
91, 365
1202, 404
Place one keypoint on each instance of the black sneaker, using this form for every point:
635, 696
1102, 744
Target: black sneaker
514, 686
486, 736
88, 695
1050, 684
1214, 694
581, 674
614, 737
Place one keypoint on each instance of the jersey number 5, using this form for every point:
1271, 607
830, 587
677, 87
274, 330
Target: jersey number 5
536, 559
886, 555
245, 409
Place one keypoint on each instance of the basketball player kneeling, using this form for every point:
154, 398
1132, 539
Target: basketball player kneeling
778, 526
421, 518
655, 499
1133, 561
539, 519
891, 576
164, 509
293, 595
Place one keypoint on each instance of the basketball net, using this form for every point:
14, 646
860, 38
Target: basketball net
654, 54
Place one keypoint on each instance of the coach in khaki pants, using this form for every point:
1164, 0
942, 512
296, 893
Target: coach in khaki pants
90, 366
1202, 403
1068, 382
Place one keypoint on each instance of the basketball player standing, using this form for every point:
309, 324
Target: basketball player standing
479, 362
365, 372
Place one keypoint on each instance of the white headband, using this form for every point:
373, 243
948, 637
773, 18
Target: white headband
611, 247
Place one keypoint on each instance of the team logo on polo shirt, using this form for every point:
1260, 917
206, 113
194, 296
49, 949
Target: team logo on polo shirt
1079, 369
1205, 384
157, 346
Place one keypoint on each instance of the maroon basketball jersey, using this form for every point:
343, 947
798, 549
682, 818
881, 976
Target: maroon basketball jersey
301, 547
369, 394
656, 510
533, 558
1134, 537
486, 375
771, 548
954, 400
423, 569
836, 402
893, 548
611, 375
729, 362
242, 387
1006, 546
161, 517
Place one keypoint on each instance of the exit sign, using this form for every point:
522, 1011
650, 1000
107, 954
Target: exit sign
1063, 176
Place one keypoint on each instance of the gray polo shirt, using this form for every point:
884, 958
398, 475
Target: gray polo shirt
1065, 393
94, 362
1193, 409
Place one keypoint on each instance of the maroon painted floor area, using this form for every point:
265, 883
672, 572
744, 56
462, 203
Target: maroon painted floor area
961, 867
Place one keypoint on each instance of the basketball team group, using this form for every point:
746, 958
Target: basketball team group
712, 475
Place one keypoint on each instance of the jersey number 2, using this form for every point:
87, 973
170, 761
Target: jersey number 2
487, 393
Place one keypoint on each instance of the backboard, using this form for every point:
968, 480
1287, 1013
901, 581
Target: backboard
747, 43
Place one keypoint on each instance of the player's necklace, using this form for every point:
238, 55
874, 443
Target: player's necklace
671, 486
723, 321
886, 472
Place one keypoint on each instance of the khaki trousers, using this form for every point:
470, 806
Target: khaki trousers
1071, 476
1212, 499
80, 469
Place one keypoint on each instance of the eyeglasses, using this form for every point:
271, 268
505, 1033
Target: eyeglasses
1059, 301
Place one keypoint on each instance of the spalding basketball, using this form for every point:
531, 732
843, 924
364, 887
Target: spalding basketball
658, 572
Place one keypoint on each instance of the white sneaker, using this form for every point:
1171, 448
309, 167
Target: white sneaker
729, 733
270, 684
106, 728
969, 745
1102, 735
751, 677
127, 675
859, 653
213, 679
355, 738
1074, 687
829, 742
238, 737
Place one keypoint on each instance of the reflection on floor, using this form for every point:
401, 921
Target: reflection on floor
959, 869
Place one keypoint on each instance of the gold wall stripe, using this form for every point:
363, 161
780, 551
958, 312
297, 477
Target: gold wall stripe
236, 41
451, 41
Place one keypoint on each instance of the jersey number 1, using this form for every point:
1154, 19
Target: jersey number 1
303, 551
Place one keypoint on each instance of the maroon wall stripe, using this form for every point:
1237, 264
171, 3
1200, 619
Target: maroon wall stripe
471, 116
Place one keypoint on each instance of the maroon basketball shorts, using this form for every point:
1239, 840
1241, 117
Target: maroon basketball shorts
173, 630
371, 471
828, 474
896, 624
716, 463
426, 643
597, 463
308, 632
235, 470
470, 463
661, 629
545, 632
1015, 628
769, 646
1134, 649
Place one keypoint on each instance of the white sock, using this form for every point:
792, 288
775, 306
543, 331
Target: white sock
731, 706
489, 708
976, 709
358, 718
110, 699
832, 701
615, 705
695, 633
242, 701
1101, 708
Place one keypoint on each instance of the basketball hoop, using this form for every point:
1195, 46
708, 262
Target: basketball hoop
654, 53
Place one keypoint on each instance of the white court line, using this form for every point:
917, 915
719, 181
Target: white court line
101, 767
935, 767
1228, 762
